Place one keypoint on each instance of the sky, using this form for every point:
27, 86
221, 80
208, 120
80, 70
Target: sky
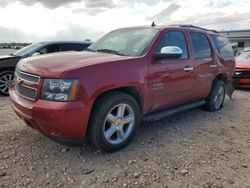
43, 20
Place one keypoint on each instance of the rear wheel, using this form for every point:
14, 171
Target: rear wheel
114, 121
215, 100
6, 80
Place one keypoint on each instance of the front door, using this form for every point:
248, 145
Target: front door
171, 80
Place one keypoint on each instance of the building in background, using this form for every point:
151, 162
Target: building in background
240, 37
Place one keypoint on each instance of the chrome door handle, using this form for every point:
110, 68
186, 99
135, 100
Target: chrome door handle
188, 68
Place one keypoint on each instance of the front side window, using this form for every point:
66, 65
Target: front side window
201, 46
127, 42
73, 47
49, 49
174, 38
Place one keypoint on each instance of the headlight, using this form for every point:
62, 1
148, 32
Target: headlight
60, 89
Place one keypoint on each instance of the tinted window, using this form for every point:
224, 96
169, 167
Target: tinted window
201, 46
73, 47
241, 44
50, 49
174, 38
223, 46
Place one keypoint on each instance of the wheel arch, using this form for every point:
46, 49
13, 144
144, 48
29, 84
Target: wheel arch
229, 87
133, 91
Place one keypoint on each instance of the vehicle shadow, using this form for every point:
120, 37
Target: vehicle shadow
243, 89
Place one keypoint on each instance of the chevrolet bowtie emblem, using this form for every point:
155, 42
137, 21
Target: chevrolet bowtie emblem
19, 80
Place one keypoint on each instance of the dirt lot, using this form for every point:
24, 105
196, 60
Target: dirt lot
192, 149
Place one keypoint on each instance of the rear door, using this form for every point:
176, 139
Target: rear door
171, 80
204, 64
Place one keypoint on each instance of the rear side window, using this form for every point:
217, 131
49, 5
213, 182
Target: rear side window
201, 46
223, 46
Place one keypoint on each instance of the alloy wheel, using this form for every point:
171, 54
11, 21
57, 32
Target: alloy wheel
119, 124
6, 81
218, 99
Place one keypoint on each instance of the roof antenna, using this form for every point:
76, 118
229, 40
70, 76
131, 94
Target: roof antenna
153, 24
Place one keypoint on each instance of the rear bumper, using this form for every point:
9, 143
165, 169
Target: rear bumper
59, 120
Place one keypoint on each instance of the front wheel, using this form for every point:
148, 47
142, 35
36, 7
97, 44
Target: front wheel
114, 121
6, 80
215, 100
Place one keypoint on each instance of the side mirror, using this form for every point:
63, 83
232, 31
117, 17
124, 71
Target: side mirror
169, 52
35, 54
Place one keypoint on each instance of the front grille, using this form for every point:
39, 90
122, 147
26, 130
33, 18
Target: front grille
26, 92
242, 74
27, 77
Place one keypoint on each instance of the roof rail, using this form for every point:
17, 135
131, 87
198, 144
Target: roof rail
196, 27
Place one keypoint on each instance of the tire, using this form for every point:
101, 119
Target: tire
6, 80
114, 121
215, 100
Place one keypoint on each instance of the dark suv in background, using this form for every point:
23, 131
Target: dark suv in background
8, 63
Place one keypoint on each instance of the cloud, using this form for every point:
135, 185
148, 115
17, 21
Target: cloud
221, 3
46, 3
100, 4
72, 32
165, 14
94, 7
52, 4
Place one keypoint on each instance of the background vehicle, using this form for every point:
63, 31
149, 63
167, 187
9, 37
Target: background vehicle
128, 76
247, 49
242, 70
8, 63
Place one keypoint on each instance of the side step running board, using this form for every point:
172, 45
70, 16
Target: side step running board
162, 114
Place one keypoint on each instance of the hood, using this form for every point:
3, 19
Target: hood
56, 64
242, 64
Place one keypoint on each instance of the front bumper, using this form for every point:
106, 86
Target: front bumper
241, 82
241, 78
64, 120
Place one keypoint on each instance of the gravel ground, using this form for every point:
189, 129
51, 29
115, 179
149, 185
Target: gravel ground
192, 149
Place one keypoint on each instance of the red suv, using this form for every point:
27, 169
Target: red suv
128, 76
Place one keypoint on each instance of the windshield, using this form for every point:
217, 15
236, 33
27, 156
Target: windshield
26, 49
244, 56
127, 42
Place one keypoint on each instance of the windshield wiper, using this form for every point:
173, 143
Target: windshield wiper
110, 51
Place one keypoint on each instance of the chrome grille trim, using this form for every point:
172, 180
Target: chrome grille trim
242, 74
26, 92
27, 77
